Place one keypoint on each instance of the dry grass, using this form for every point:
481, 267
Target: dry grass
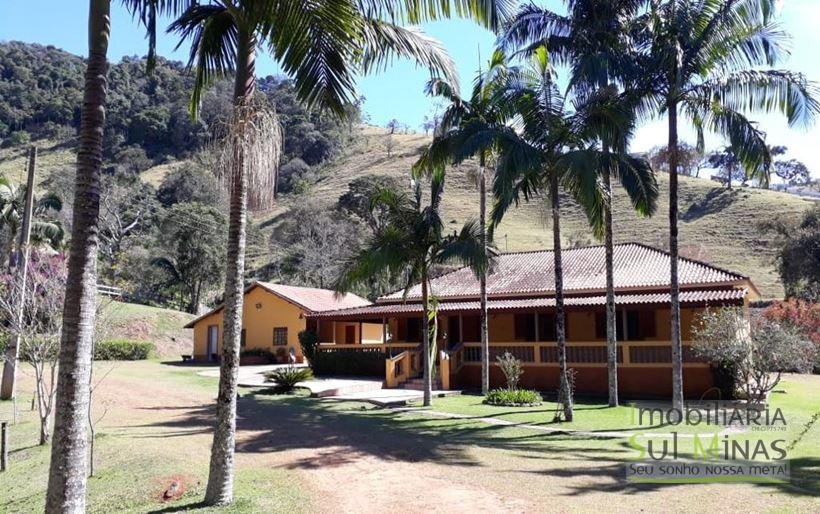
716, 225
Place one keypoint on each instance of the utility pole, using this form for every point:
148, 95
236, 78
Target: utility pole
13, 349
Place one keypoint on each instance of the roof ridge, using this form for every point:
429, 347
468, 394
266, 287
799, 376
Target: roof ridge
565, 249
692, 260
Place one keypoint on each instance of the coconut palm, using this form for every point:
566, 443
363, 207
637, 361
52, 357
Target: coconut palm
570, 160
593, 39
322, 45
704, 60
12, 204
411, 244
475, 127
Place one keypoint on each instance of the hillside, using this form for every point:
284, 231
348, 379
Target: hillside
163, 327
715, 225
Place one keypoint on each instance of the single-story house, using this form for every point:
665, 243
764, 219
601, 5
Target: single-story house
521, 311
272, 317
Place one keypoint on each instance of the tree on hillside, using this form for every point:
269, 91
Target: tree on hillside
700, 60
689, 159
594, 40
728, 165
799, 254
191, 242
190, 182
358, 199
410, 244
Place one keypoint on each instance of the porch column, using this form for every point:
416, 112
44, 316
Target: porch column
537, 338
334, 331
384, 330
360, 332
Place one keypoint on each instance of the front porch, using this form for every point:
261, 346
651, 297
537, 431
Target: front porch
644, 351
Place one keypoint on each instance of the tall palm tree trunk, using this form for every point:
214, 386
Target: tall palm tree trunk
425, 345
485, 334
560, 333
611, 319
221, 473
674, 288
67, 472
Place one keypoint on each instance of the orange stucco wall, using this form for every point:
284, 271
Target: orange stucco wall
263, 312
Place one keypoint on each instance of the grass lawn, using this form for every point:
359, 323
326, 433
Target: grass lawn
297, 454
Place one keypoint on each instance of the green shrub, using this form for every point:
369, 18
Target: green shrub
349, 362
309, 340
122, 350
17, 138
513, 397
286, 378
256, 352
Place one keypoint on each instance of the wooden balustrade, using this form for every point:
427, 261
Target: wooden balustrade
579, 353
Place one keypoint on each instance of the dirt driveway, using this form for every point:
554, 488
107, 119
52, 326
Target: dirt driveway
348, 457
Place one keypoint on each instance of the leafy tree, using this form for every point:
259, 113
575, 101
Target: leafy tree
755, 353
191, 242
292, 175
728, 165
689, 159
799, 255
189, 183
411, 242
792, 171
359, 197
701, 60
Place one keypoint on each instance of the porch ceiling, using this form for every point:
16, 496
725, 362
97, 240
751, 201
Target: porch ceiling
378, 311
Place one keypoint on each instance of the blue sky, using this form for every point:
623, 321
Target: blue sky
398, 93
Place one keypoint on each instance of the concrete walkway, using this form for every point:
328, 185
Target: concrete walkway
389, 397
250, 376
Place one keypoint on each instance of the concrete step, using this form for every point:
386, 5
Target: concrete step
417, 384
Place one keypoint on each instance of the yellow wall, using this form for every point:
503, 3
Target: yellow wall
262, 312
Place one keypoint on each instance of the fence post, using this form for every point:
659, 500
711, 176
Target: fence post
4, 446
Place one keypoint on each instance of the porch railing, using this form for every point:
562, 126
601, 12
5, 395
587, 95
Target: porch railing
579, 353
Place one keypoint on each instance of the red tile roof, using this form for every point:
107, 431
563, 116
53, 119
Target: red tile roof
387, 309
309, 299
532, 273
313, 299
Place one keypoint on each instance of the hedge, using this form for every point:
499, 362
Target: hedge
513, 397
351, 363
122, 350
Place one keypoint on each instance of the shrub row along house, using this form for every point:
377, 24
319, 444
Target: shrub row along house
521, 310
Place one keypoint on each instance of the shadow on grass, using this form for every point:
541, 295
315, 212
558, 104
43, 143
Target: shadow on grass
343, 433
715, 201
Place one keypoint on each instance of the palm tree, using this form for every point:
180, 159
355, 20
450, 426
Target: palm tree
474, 127
67, 473
43, 233
593, 39
322, 45
703, 60
570, 160
411, 244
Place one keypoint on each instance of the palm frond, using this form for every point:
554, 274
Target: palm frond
383, 42
213, 33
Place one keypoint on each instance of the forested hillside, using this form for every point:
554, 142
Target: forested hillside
163, 216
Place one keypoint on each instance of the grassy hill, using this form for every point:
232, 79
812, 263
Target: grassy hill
163, 327
715, 225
